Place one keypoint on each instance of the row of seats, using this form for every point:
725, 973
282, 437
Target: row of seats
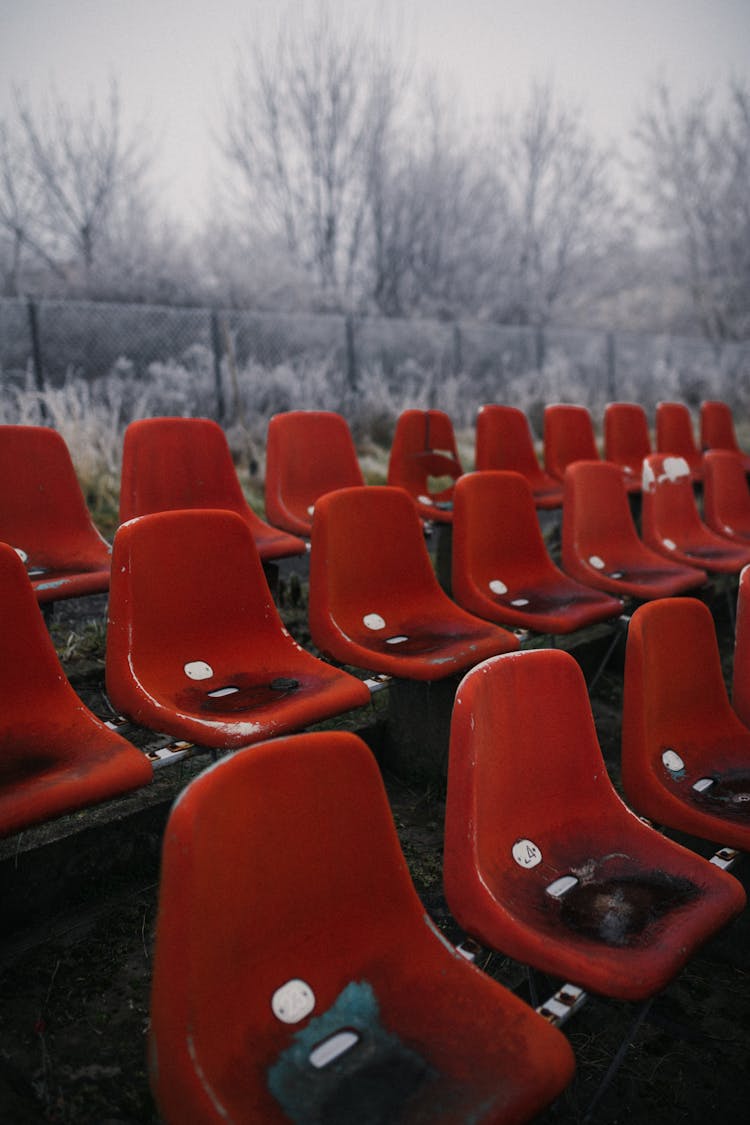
503, 440
310, 453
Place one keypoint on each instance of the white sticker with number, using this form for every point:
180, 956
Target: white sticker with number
526, 853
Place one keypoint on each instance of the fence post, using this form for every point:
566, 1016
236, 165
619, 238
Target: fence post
352, 374
540, 345
36, 357
216, 350
458, 349
611, 367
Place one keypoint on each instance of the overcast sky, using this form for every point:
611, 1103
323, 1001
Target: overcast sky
174, 59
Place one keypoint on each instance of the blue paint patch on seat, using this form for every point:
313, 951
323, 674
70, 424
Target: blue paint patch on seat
368, 1083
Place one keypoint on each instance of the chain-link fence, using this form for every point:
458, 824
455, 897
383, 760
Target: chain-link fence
235, 364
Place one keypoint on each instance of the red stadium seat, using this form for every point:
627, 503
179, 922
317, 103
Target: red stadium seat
308, 453
675, 436
726, 495
424, 460
741, 667
626, 439
504, 442
178, 463
717, 430
685, 753
501, 568
600, 544
374, 599
297, 976
671, 523
195, 646
43, 514
543, 861
55, 755
568, 437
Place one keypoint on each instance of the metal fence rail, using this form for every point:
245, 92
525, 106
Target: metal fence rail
223, 361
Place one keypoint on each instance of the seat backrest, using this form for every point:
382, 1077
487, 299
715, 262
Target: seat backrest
596, 510
42, 506
669, 509
717, 426
626, 436
424, 446
188, 591
244, 950
504, 441
177, 463
675, 435
30, 670
496, 531
741, 667
568, 437
673, 681
368, 547
513, 785
308, 453
726, 492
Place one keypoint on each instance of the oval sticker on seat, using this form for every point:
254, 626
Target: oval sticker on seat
198, 670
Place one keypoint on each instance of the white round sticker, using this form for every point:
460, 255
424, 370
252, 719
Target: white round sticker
526, 853
293, 1001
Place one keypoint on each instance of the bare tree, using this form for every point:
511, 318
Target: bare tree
21, 210
301, 129
563, 211
696, 173
438, 215
81, 165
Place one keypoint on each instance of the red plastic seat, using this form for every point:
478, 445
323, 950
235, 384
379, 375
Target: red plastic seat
675, 435
297, 976
501, 568
55, 755
568, 437
423, 458
195, 646
178, 463
600, 544
43, 514
543, 861
741, 668
671, 523
308, 453
626, 439
685, 753
717, 430
726, 495
374, 599
504, 442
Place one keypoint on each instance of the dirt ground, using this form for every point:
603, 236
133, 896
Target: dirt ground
74, 992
